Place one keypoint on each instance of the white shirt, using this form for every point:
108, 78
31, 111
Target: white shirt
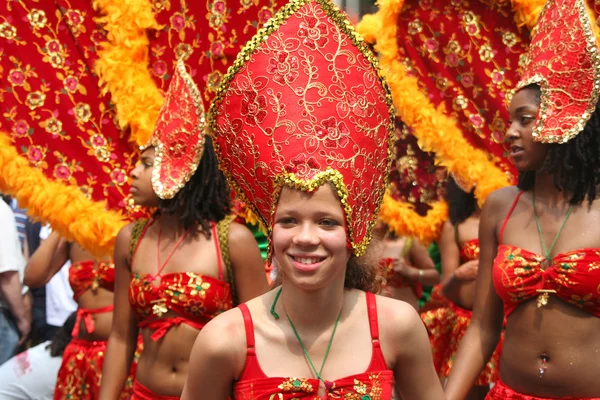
59, 296
11, 257
30, 375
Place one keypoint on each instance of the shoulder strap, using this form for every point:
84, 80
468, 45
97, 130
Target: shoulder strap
222, 228
512, 207
250, 343
137, 233
408, 243
373, 322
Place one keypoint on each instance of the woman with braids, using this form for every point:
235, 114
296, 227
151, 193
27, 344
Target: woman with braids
310, 157
178, 270
447, 323
540, 241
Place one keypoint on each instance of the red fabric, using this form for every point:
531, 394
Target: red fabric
85, 275
563, 50
196, 299
467, 55
85, 315
469, 250
52, 105
141, 392
574, 275
81, 370
386, 266
377, 382
501, 391
446, 326
278, 123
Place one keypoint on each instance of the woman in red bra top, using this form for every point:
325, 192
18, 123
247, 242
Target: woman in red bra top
92, 281
305, 106
405, 266
540, 241
459, 248
186, 265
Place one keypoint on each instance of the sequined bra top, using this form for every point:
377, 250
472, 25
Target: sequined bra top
194, 298
573, 277
376, 383
90, 274
469, 250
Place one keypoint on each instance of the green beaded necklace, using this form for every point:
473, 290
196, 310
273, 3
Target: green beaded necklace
317, 373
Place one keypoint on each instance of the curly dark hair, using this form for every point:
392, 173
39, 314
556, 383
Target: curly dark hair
205, 197
460, 203
575, 165
362, 273
62, 337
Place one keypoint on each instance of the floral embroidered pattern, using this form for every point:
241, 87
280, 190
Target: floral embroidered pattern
518, 276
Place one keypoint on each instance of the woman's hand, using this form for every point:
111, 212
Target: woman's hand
467, 271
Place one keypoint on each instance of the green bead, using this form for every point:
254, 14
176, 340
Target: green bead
297, 383
366, 397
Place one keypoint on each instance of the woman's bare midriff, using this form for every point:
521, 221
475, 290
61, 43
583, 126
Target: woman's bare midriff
465, 295
102, 321
163, 365
559, 338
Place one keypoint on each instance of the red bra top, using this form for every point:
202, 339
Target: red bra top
573, 277
376, 383
469, 250
90, 274
195, 298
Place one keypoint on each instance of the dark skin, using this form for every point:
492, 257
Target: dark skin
48, 259
565, 334
164, 364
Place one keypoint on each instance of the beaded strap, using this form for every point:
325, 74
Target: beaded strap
136, 232
223, 236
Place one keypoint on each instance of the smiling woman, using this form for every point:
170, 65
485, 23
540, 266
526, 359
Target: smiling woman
319, 207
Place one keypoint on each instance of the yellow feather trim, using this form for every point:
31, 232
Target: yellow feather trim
122, 65
402, 218
527, 12
64, 207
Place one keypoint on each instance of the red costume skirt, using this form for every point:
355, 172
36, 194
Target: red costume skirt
141, 392
502, 392
446, 325
81, 370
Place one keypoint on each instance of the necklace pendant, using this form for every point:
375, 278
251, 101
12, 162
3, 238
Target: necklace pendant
542, 300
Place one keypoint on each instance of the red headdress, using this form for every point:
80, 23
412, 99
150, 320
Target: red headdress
563, 60
302, 105
178, 136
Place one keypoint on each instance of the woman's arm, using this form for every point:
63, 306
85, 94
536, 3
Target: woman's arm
453, 274
414, 373
46, 261
224, 353
481, 338
122, 342
248, 266
425, 268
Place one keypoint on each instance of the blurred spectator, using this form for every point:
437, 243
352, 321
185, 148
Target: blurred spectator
15, 306
32, 374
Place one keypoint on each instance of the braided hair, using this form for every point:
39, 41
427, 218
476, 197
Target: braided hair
205, 197
575, 165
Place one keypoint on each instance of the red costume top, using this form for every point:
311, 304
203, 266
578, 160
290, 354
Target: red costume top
573, 277
195, 298
90, 274
376, 383
469, 251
